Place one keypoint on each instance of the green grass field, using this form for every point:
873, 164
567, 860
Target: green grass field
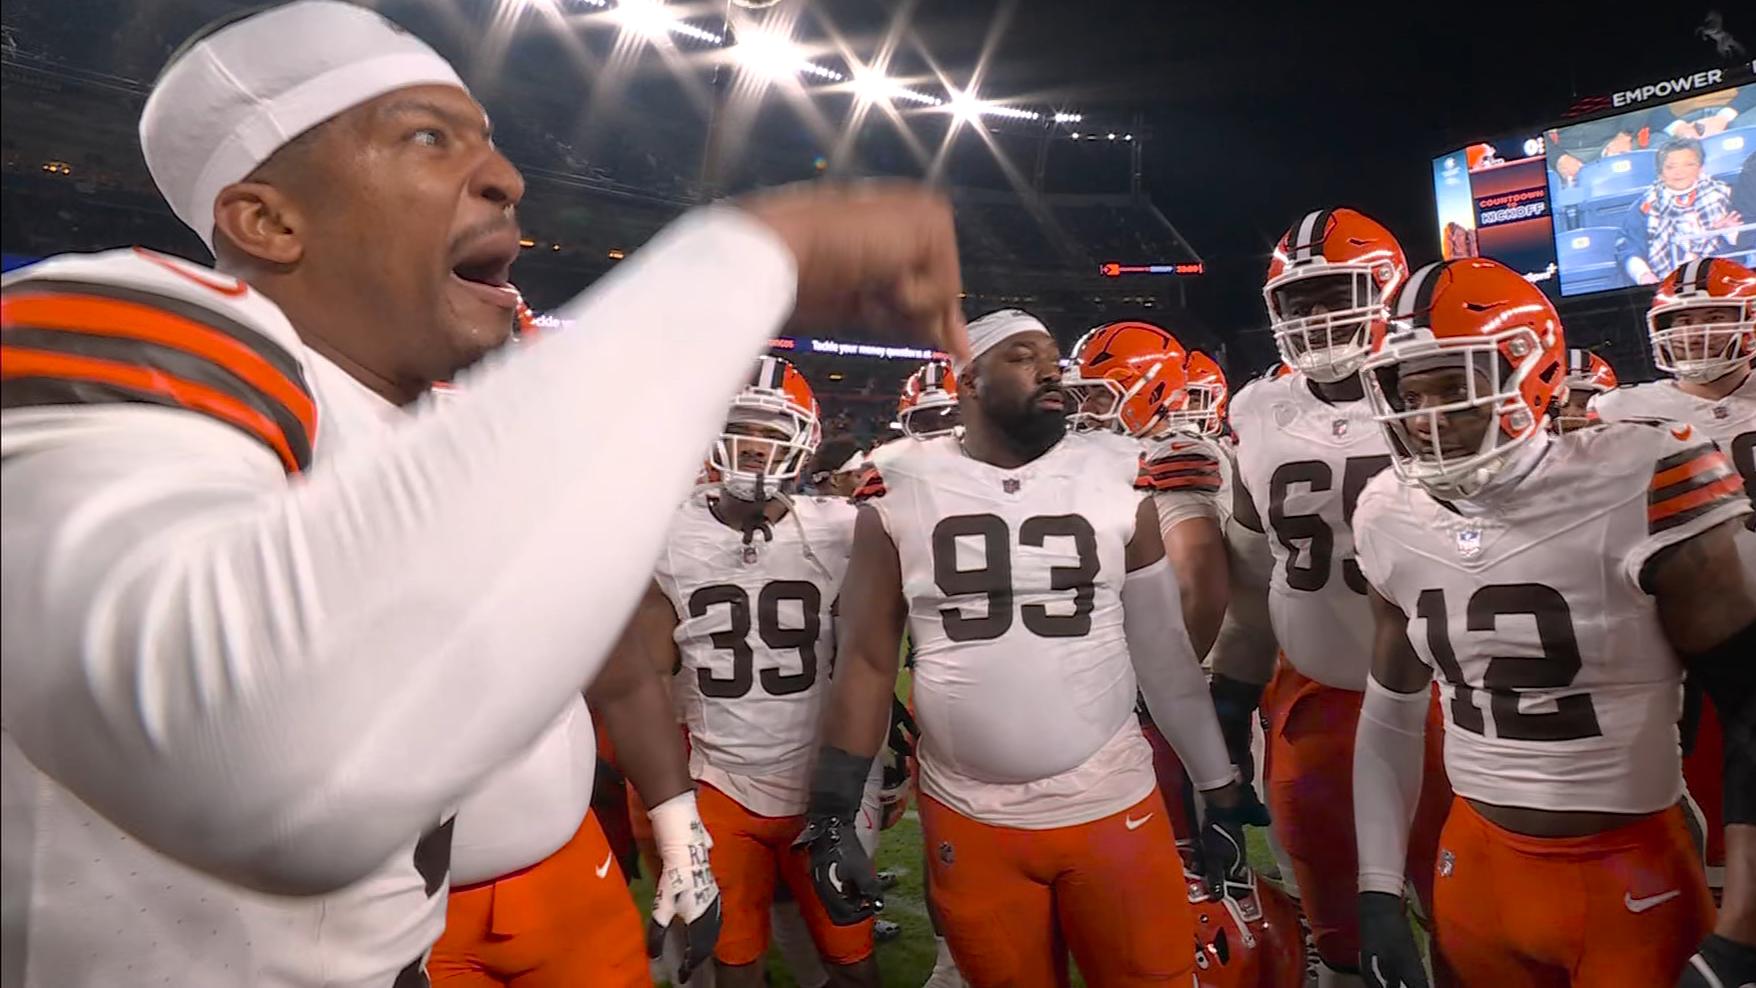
906, 961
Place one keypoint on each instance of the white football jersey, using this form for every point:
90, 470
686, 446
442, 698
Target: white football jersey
100, 908
756, 635
1729, 421
1013, 580
1303, 463
1559, 688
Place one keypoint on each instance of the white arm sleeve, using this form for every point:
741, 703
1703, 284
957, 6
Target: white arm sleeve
1170, 676
1246, 648
282, 683
1388, 753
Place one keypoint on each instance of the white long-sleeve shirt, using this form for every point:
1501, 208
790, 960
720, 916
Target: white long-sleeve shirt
217, 675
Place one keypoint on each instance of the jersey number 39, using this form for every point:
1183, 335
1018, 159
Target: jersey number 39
736, 639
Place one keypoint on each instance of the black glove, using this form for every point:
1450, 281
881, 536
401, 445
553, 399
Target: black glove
1733, 963
1224, 855
1233, 703
843, 875
1388, 956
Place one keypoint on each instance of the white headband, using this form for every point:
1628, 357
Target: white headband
996, 328
241, 94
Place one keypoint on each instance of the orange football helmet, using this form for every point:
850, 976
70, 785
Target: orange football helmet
1205, 411
1481, 317
1247, 938
929, 402
770, 434
1702, 323
1327, 283
1586, 371
1138, 366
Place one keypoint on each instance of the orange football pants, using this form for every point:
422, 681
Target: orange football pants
565, 921
1311, 797
1012, 901
1620, 909
749, 853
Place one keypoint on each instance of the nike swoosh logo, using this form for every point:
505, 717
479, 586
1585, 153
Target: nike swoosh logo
1641, 905
1683, 433
1133, 824
604, 869
835, 877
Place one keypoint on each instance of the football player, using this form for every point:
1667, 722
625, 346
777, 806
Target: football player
1306, 448
742, 610
1557, 586
928, 406
526, 835
1588, 375
1030, 574
264, 625
1129, 378
1702, 327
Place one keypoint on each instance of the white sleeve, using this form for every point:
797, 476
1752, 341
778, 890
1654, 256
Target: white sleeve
1246, 648
1388, 753
282, 683
1170, 675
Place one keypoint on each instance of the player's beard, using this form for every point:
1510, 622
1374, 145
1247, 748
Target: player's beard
1028, 427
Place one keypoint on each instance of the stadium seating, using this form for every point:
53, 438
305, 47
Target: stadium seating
1587, 259
1726, 152
1612, 184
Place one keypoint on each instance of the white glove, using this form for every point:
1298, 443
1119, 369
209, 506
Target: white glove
686, 888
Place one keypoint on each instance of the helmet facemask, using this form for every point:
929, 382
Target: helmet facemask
1702, 340
1476, 412
1200, 414
933, 414
766, 443
1330, 345
1102, 404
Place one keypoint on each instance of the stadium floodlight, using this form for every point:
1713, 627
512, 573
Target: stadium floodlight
773, 56
1127, 137
647, 18
967, 108
1112, 135
1074, 135
1070, 118
872, 86
652, 20
964, 107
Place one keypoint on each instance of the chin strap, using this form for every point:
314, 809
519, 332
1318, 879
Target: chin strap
759, 520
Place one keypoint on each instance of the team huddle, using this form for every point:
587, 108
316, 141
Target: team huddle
309, 662
1432, 489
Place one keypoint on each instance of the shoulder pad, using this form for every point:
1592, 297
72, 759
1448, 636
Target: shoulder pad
1690, 478
871, 486
1191, 467
133, 327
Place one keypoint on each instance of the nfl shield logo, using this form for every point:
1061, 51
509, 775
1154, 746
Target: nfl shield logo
945, 852
1009, 484
1469, 543
1339, 427
1721, 411
1447, 862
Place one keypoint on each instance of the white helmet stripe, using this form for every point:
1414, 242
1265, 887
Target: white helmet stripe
1302, 244
1410, 299
1692, 280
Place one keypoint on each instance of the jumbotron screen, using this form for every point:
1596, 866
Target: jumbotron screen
1493, 201
1638, 194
